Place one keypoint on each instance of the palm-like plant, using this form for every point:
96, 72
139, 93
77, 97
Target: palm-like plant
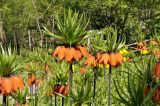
71, 28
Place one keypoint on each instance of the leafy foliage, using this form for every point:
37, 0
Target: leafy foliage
136, 83
71, 28
8, 62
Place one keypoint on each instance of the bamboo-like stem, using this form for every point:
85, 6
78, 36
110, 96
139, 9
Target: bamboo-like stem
70, 81
4, 101
109, 85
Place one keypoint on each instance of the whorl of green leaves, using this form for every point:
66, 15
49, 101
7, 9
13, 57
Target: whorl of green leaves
111, 43
21, 96
8, 62
71, 28
81, 93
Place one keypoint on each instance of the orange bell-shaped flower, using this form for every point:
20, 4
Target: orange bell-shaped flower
113, 59
91, 61
7, 87
83, 70
83, 50
17, 83
31, 79
104, 59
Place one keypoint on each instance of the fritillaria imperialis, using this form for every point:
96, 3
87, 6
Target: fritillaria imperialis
71, 32
9, 66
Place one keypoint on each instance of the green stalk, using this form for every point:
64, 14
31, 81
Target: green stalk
109, 85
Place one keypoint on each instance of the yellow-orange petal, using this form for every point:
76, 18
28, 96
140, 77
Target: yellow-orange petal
119, 58
91, 61
74, 55
61, 53
83, 50
7, 85
17, 83
113, 60
69, 54
98, 55
106, 58
78, 53
83, 70
56, 51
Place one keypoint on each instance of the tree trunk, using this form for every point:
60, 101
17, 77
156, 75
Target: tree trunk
29, 40
16, 42
2, 33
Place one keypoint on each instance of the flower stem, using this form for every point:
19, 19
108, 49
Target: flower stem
55, 102
94, 83
70, 81
109, 85
104, 75
31, 89
51, 100
62, 101
4, 101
